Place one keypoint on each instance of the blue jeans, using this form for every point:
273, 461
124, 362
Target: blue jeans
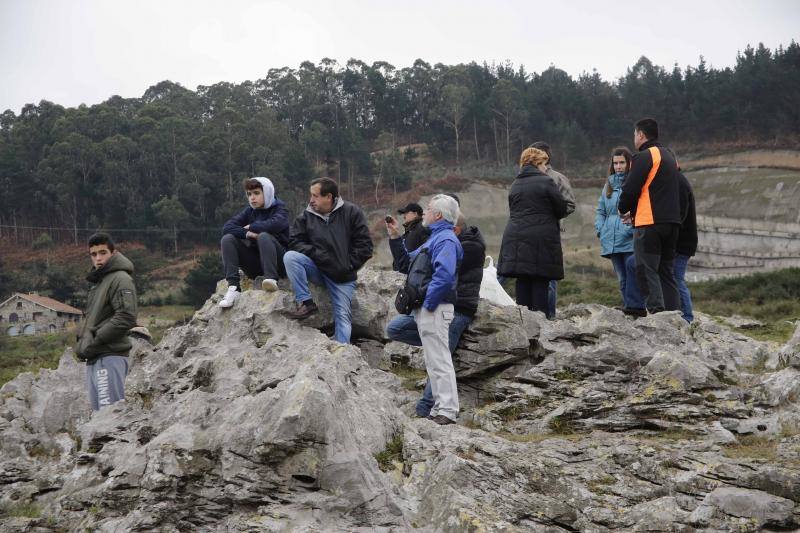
403, 328
300, 269
552, 294
686, 298
632, 298
618, 260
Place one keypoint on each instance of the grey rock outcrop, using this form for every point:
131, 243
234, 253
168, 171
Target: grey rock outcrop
243, 420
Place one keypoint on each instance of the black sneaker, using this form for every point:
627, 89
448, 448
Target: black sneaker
303, 311
441, 420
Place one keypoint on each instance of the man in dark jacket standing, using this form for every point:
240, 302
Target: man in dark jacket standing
565, 188
685, 248
110, 313
686, 245
255, 239
403, 328
415, 232
650, 198
329, 242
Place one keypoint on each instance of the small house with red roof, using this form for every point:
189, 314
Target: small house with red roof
30, 314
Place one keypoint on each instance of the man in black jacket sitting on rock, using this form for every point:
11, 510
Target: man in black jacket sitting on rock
403, 328
329, 242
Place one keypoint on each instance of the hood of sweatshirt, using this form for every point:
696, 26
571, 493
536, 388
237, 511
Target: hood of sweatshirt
269, 191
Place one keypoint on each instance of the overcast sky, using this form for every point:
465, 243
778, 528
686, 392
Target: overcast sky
84, 51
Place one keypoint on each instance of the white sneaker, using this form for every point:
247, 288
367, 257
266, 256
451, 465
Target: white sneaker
269, 285
230, 297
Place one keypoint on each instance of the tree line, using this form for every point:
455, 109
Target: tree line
168, 164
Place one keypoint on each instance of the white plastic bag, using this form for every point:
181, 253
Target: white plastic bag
491, 289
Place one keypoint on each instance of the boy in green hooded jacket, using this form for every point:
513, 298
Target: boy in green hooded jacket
110, 313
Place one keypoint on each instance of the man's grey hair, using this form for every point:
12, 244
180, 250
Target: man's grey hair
446, 206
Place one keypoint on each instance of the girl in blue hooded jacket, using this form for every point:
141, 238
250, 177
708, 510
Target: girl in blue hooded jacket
616, 238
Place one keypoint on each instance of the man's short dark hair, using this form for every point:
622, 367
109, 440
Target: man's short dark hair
649, 127
544, 147
327, 186
455, 197
102, 238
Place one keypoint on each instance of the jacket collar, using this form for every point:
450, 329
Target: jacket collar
615, 180
275, 202
339, 203
648, 144
441, 225
529, 170
413, 224
116, 262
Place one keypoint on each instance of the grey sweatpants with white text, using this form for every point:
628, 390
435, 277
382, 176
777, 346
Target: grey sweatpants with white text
105, 380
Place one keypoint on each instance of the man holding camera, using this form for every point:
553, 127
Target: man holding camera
415, 231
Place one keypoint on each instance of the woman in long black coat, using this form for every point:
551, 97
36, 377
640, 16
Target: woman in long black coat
531, 248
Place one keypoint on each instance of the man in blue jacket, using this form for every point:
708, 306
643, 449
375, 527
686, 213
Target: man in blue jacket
433, 318
255, 239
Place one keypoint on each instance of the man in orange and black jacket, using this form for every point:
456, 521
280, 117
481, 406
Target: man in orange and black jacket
650, 199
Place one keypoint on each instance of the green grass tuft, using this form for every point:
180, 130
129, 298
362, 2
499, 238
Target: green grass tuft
391, 454
30, 353
752, 447
21, 510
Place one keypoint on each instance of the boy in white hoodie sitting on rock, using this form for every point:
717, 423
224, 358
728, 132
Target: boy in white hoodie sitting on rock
255, 240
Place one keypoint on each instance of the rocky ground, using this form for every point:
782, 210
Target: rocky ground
243, 420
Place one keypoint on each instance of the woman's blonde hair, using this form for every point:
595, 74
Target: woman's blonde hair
533, 156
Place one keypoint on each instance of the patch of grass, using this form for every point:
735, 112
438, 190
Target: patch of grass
588, 284
30, 353
468, 454
537, 437
510, 413
752, 447
726, 379
153, 317
566, 374
172, 313
670, 462
561, 426
38, 451
780, 331
391, 454
601, 483
21, 510
770, 297
409, 376
675, 435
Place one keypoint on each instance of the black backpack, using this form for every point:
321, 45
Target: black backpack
412, 294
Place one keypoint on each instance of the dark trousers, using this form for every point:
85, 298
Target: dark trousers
654, 250
552, 295
260, 257
532, 293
